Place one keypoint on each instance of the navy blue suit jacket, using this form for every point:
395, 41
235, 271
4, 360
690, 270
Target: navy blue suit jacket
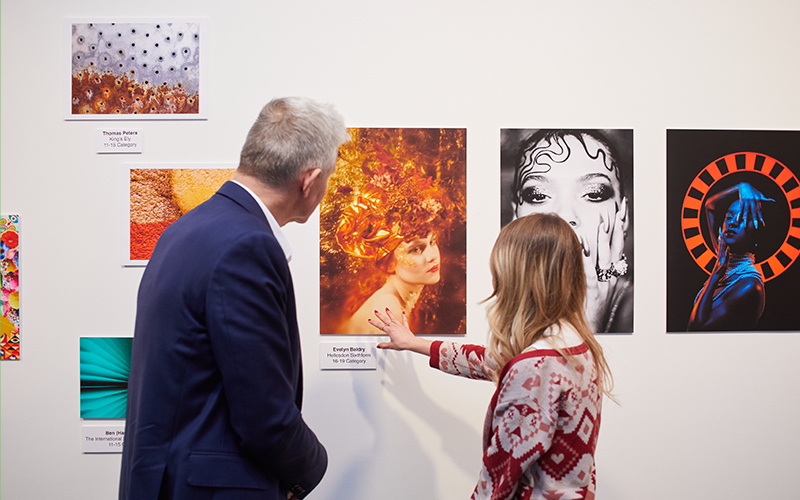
216, 378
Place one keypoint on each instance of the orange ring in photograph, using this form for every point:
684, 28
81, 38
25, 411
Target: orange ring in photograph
700, 250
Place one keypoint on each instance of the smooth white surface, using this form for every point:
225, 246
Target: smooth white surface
701, 416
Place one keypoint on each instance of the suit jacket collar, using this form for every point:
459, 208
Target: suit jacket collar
236, 193
239, 194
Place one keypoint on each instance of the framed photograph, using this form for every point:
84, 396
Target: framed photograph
393, 231
123, 69
155, 196
586, 177
733, 230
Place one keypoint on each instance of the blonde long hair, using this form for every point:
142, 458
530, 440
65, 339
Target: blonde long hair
539, 282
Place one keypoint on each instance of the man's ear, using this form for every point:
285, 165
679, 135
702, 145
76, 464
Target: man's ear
307, 179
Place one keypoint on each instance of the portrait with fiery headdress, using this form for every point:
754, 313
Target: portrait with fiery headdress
393, 232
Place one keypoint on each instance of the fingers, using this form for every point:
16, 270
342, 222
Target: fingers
750, 200
759, 218
398, 333
385, 323
618, 232
610, 245
740, 214
382, 317
723, 252
604, 231
390, 315
752, 214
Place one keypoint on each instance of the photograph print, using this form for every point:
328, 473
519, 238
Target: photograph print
155, 196
733, 230
586, 177
9, 293
393, 232
136, 69
105, 366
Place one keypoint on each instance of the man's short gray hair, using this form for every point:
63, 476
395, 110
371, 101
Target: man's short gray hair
290, 135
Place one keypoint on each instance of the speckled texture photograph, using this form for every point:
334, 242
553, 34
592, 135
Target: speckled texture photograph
149, 69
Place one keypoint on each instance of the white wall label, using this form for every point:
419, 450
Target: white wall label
105, 438
120, 141
347, 356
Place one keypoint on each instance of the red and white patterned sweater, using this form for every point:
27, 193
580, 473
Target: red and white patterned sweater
541, 428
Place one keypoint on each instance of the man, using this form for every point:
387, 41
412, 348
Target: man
216, 383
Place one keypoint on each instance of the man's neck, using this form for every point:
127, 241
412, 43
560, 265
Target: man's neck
276, 201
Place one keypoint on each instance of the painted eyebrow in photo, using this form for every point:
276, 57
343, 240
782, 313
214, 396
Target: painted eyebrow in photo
593, 176
583, 179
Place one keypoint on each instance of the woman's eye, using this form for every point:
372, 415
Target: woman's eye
533, 195
598, 192
415, 250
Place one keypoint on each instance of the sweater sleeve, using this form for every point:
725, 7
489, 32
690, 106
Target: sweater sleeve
464, 360
522, 426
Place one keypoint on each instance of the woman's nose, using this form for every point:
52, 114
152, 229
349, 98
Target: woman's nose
432, 253
566, 212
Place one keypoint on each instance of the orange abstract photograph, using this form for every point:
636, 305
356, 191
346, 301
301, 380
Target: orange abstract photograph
159, 196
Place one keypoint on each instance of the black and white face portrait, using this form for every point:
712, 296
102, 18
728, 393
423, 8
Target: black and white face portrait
585, 177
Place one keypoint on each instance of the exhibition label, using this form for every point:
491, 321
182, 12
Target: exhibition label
347, 356
106, 438
119, 141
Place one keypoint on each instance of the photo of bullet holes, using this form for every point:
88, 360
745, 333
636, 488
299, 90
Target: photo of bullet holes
152, 70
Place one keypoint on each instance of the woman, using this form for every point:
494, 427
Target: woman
413, 263
541, 428
733, 296
577, 175
393, 231
398, 237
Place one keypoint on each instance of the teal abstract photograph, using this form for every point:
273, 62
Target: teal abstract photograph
105, 367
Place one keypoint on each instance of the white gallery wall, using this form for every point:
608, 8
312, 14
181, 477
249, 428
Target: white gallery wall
700, 416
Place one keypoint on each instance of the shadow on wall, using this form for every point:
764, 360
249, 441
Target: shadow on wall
460, 442
395, 464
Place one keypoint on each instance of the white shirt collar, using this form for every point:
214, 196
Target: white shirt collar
273, 224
